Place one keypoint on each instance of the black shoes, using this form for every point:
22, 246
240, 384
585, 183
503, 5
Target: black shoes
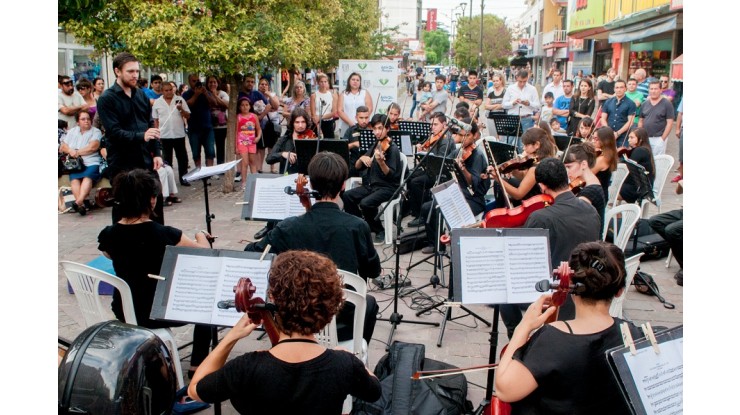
261, 233
679, 277
184, 183
379, 238
427, 250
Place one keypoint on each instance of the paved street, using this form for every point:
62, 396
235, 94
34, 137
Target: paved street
466, 339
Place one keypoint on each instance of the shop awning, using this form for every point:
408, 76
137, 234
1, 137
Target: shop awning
643, 29
677, 69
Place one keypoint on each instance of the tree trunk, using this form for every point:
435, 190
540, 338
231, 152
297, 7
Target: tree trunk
230, 148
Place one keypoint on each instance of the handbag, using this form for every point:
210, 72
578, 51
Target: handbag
645, 284
69, 164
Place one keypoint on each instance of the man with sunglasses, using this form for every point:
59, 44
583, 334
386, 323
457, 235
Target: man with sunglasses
70, 102
665, 89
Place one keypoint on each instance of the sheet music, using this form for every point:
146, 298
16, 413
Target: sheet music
200, 282
406, 147
528, 263
484, 270
271, 201
208, 171
659, 377
451, 201
501, 269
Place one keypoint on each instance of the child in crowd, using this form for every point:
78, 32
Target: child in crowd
426, 97
61, 131
248, 134
555, 126
545, 113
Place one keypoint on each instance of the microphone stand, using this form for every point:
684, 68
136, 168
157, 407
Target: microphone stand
396, 318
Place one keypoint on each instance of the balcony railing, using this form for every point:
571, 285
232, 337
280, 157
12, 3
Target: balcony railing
554, 36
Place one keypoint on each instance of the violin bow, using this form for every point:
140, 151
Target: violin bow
375, 107
427, 374
403, 108
496, 172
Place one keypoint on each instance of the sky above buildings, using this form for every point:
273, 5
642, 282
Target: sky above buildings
511, 9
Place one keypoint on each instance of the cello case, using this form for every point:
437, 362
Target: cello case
116, 368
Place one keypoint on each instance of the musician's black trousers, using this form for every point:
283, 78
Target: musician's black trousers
363, 202
669, 225
418, 191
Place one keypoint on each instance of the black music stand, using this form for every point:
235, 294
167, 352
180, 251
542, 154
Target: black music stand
508, 125
398, 138
563, 141
502, 152
368, 140
307, 148
419, 130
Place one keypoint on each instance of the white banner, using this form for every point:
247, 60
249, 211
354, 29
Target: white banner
379, 78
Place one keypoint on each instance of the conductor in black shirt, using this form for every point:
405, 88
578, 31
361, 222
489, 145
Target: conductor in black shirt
132, 140
384, 176
327, 230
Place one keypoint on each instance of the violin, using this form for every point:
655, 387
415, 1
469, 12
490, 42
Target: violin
511, 217
395, 126
306, 134
385, 144
577, 185
467, 151
255, 307
426, 145
624, 151
517, 163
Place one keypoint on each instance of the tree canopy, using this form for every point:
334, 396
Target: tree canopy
436, 46
496, 41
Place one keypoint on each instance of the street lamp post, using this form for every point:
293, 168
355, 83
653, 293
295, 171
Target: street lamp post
453, 23
480, 51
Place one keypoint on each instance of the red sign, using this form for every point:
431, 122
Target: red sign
431, 20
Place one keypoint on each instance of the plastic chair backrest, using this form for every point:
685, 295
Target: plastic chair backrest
663, 164
85, 281
354, 280
631, 265
630, 214
618, 178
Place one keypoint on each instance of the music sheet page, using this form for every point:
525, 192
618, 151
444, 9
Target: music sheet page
659, 377
455, 209
483, 267
528, 263
200, 282
271, 201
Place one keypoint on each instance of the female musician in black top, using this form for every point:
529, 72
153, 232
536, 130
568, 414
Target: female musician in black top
523, 185
297, 375
579, 160
606, 162
581, 105
641, 153
562, 368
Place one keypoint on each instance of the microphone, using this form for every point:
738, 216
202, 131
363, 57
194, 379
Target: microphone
462, 125
289, 190
225, 305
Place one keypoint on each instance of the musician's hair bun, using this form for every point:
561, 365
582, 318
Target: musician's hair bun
599, 266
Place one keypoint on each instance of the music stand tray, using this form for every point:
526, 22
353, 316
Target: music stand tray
432, 165
507, 124
305, 149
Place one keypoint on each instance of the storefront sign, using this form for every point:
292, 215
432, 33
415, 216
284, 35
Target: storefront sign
431, 20
585, 14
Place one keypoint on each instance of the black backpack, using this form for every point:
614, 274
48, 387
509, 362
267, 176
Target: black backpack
405, 396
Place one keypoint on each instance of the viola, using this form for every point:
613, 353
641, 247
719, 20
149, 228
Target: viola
577, 185
624, 151
305, 134
301, 189
255, 307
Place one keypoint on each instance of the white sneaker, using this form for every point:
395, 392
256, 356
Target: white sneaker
238, 179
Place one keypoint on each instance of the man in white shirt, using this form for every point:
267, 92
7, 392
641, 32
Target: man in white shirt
169, 114
556, 86
70, 102
521, 99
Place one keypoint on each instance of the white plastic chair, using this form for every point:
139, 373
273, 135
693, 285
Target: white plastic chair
629, 214
328, 338
631, 265
663, 164
393, 206
355, 281
85, 281
618, 177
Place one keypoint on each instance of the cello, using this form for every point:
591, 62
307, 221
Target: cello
512, 217
259, 311
303, 192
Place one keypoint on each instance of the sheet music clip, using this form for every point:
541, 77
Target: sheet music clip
267, 249
156, 277
627, 338
647, 329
